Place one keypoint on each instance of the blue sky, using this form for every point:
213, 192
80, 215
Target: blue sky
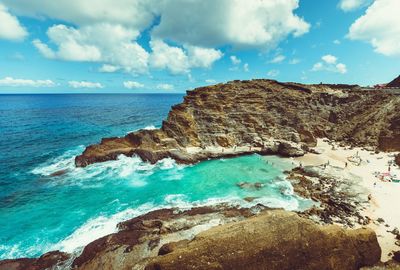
169, 46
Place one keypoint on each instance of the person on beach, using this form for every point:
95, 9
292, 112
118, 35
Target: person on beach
345, 164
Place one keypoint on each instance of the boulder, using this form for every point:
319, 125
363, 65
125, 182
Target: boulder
274, 240
290, 149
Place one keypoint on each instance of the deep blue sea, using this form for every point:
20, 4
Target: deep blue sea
41, 134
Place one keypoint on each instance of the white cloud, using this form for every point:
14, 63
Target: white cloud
240, 23
202, 57
180, 60
107, 32
10, 28
337, 42
278, 59
235, 60
350, 5
341, 68
273, 73
133, 85
379, 26
294, 61
165, 86
84, 84
11, 82
329, 59
329, 63
211, 81
246, 67
108, 68
110, 44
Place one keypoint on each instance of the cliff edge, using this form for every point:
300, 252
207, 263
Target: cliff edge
261, 116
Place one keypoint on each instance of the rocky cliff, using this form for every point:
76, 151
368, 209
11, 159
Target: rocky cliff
261, 116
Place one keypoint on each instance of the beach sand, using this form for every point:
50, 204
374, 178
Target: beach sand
385, 196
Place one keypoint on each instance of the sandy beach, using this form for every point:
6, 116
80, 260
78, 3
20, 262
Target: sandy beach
384, 196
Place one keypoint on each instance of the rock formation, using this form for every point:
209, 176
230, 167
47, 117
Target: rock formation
263, 116
274, 240
394, 83
222, 238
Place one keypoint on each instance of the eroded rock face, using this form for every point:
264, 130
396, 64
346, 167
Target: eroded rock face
267, 116
274, 240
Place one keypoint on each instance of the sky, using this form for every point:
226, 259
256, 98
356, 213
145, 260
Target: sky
170, 46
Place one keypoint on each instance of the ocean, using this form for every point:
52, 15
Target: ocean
41, 135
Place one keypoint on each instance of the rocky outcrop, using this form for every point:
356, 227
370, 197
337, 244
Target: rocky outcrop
261, 116
46, 261
273, 240
394, 83
340, 197
220, 237
397, 159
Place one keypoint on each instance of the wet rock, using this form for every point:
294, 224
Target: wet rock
248, 185
58, 173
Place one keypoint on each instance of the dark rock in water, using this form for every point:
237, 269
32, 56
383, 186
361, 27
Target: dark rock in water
248, 185
58, 173
250, 199
45, 261
397, 160
274, 240
278, 118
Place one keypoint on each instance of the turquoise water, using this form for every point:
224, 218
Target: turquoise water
40, 212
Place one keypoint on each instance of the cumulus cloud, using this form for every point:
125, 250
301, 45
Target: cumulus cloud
240, 23
84, 84
330, 63
180, 60
165, 86
10, 28
329, 59
11, 82
379, 26
107, 32
350, 5
107, 43
108, 68
235, 60
278, 59
133, 85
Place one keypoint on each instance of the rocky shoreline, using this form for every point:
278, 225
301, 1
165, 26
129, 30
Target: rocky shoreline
219, 237
239, 118
225, 236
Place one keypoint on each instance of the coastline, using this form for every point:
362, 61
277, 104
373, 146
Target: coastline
384, 196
